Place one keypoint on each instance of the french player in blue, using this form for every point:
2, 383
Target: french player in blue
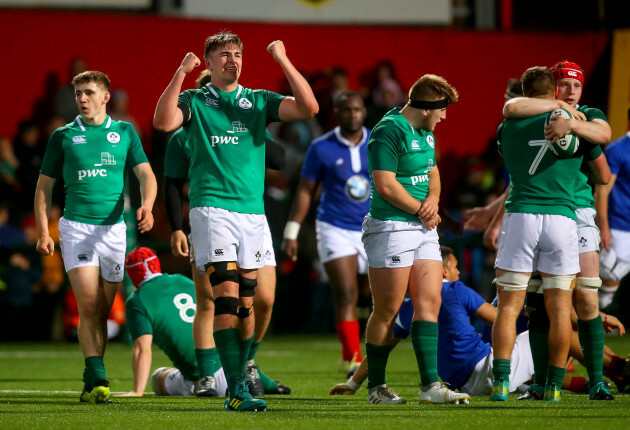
612, 202
464, 359
338, 161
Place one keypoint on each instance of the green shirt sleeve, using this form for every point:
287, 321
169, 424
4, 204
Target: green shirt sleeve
499, 133
136, 154
186, 98
137, 319
52, 165
177, 157
384, 149
272, 101
594, 113
593, 151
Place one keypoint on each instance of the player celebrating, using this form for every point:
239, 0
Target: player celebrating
225, 125
176, 166
338, 160
91, 154
400, 237
539, 234
162, 308
593, 132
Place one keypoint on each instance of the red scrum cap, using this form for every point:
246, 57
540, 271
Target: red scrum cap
142, 264
567, 70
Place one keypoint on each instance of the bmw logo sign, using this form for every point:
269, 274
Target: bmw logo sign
357, 188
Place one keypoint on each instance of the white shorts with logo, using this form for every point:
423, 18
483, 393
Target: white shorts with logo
521, 370
94, 245
176, 385
269, 255
536, 242
614, 262
394, 244
588, 232
335, 242
222, 235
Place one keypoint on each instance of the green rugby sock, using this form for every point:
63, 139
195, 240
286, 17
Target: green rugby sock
252, 350
377, 362
245, 348
501, 369
229, 349
208, 361
424, 337
591, 334
555, 375
94, 370
538, 337
268, 383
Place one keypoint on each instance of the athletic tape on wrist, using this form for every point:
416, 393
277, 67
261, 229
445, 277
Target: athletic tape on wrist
291, 230
353, 385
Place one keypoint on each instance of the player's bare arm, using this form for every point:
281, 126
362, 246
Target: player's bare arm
429, 206
601, 206
148, 191
301, 204
141, 365
596, 131
393, 192
303, 104
168, 116
526, 107
600, 171
486, 313
43, 201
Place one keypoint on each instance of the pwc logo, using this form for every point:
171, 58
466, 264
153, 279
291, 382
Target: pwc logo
92, 173
223, 140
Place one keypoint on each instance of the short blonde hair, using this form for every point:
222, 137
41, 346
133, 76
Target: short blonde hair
205, 77
100, 78
431, 88
219, 40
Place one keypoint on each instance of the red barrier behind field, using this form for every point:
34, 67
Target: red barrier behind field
140, 54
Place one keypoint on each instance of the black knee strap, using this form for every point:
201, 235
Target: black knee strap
244, 312
225, 306
221, 272
246, 286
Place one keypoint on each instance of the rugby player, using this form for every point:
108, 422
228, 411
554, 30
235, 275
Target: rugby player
225, 126
91, 154
338, 161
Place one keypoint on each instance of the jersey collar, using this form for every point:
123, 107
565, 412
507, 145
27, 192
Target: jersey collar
214, 92
346, 142
108, 122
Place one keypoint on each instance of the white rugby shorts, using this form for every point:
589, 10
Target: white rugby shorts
521, 369
269, 255
334, 242
614, 263
588, 232
536, 242
94, 245
176, 385
222, 235
394, 244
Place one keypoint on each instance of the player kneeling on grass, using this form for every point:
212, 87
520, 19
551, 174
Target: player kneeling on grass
163, 307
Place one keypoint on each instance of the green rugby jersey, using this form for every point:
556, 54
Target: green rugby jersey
396, 146
583, 191
177, 157
165, 307
541, 182
226, 134
92, 160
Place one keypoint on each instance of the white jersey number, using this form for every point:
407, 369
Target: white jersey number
544, 146
184, 303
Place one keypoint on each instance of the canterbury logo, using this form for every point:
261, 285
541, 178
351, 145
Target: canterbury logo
235, 403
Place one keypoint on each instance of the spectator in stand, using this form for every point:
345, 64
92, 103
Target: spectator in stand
65, 101
29, 152
9, 184
120, 109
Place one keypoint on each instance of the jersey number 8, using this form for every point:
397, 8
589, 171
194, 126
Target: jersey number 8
184, 303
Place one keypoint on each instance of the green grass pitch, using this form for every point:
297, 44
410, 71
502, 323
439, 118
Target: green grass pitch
40, 386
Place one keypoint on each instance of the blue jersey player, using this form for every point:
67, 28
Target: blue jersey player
338, 161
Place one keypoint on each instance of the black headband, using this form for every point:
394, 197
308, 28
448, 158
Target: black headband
423, 104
